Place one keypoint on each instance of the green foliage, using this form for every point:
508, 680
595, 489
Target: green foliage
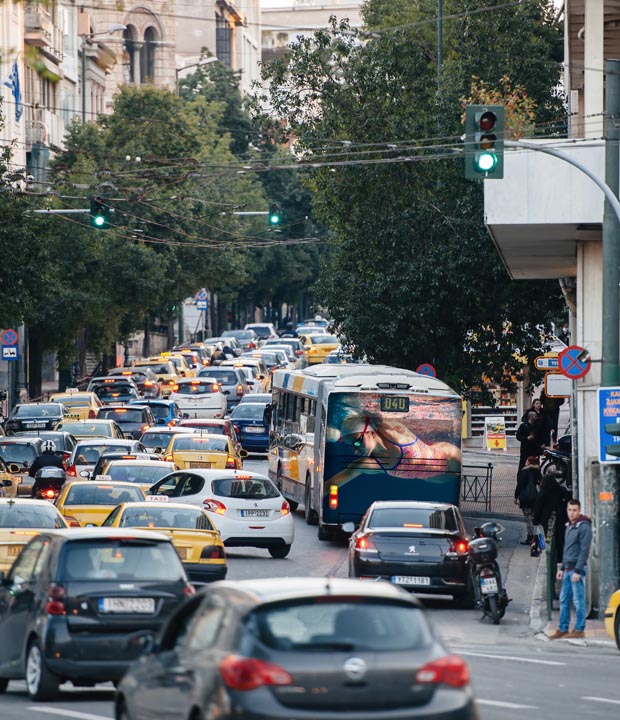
412, 276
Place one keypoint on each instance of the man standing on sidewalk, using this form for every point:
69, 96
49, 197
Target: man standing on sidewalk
577, 543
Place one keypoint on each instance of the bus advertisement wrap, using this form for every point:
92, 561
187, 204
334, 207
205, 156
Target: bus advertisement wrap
390, 447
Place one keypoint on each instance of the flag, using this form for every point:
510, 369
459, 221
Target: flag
12, 82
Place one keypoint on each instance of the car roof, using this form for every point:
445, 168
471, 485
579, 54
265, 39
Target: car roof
278, 589
225, 474
165, 429
94, 533
411, 504
26, 501
154, 401
259, 403
150, 504
134, 406
99, 421
14, 440
116, 442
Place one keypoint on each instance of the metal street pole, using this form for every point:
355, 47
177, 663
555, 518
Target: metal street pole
607, 501
439, 44
83, 48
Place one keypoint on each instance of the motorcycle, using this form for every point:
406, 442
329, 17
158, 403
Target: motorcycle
486, 577
48, 483
559, 459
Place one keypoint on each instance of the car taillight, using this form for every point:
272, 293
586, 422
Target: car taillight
459, 547
148, 383
172, 382
174, 387
215, 387
299, 353
168, 458
312, 351
286, 508
242, 673
92, 414
189, 590
214, 506
72, 470
172, 423
56, 600
333, 496
239, 390
449, 670
71, 521
365, 544
231, 463
145, 428
212, 552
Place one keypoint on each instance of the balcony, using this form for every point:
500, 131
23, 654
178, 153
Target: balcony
38, 27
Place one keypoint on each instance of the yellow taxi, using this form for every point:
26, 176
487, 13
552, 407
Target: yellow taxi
20, 521
9, 479
202, 450
317, 347
197, 542
612, 617
182, 364
165, 370
99, 427
87, 504
81, 405
138, 472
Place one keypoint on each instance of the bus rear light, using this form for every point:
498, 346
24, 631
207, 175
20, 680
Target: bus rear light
333, 496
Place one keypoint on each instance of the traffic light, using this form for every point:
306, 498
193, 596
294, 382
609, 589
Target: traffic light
484, 142
99, 212
274, 214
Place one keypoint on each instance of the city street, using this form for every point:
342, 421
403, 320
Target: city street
513, 673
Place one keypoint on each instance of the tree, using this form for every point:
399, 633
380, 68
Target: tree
412, 276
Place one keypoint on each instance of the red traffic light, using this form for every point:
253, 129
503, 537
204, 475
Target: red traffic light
487, 120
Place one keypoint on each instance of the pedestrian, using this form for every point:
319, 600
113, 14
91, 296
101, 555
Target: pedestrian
572, 572
527, 435
526, 492
544, 424
550, 509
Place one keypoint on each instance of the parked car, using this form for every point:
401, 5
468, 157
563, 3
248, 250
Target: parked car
68, 612
34, 416
132, 419
419, 545
245, 507
298, 647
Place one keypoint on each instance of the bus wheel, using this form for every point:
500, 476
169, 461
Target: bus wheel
311, 516
325, 533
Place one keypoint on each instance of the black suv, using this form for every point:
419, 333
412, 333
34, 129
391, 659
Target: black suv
76, 604
34, 416
133, 420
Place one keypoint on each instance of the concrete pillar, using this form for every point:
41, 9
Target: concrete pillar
593, 60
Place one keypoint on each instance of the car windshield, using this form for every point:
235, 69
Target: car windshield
24, 515
438, 519
255, 488
155, 439
127, 559
200, 443
248, 411
162, 517
194, 387
262, 331
86, 428
239, 334
121, 415
215, 429
160, 411
91, 493
323, 624
73, 400
37, 410
89, 454
159, 368
226, 377
17, 452
322, 339
134, 473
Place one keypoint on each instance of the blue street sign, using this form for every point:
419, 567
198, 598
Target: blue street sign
609, 425
202, 304
571, 363
10, 352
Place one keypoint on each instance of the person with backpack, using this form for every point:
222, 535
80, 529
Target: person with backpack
526, 492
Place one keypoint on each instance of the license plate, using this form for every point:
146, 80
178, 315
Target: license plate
200, 465
142, 606
256, 430
41, 423
255, 513
182, 553
14, 550
488, 585
410, 580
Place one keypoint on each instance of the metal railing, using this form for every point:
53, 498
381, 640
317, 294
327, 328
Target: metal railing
477, 483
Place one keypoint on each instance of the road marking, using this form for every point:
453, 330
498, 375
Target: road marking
507, 705
601, 700
68, 713
510, 657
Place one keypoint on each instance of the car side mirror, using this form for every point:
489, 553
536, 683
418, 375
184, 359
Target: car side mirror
84, 474
348, 527
243, 454
158, 450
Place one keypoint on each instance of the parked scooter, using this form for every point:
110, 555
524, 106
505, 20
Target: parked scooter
485, 573
559, 460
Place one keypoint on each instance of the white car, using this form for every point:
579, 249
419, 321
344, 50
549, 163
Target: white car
265, 331
245, 507
199, 397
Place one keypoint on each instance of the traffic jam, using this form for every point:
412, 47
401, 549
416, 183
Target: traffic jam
118, 503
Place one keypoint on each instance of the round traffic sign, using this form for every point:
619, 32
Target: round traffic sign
201, 294
9, 337
426, 369
573, 362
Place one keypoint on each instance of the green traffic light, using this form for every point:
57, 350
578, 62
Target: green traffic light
99, 221
274, 219
486, 161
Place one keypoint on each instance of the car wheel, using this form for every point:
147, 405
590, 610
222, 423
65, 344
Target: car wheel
617, 627
311, 516
279, 551
41, 683
4, 683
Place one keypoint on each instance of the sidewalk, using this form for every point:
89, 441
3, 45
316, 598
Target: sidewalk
503, 482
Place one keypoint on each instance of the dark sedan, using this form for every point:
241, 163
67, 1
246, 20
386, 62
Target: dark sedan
133, 420
419, 545
298, 648
34, 416
74, 603
250, 424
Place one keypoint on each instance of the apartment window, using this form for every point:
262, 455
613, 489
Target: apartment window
131, 53
223, 40
147, 57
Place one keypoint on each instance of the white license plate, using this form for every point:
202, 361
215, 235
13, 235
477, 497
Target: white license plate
256, 430
127, 605
200, 465
410, 580
488, 585
255, 513
41, 423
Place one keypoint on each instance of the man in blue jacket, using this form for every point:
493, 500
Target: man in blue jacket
572, 572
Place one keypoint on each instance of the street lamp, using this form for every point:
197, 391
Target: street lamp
206, 61
116, 27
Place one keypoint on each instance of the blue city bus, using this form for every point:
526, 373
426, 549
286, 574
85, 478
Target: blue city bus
343, 436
